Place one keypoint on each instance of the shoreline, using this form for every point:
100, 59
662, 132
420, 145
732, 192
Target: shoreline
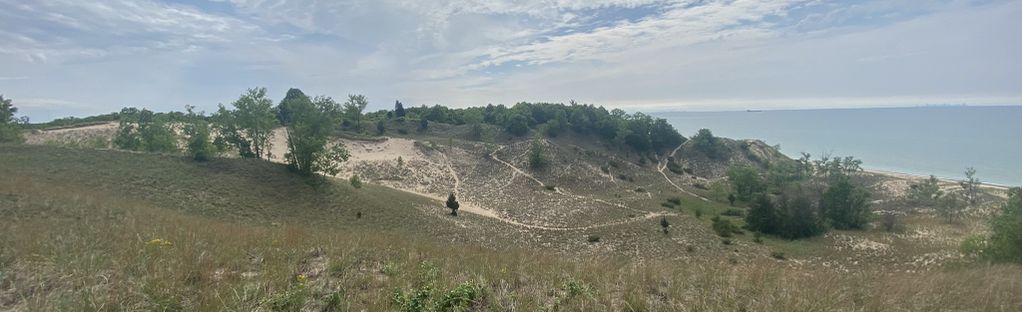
909, 176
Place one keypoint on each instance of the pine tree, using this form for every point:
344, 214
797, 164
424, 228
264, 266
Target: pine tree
452, 203
399, 109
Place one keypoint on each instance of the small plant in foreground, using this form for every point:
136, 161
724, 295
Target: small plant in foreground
333, 302
356, 182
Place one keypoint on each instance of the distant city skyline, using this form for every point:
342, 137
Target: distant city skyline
62, 57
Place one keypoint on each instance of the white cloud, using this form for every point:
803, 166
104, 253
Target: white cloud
725, 53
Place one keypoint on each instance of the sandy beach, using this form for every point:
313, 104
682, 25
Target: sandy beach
915, 177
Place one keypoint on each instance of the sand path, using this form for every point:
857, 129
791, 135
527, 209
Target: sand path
558, 190
661, 165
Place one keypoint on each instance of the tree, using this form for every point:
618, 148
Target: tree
664, 224
763, 216
709, 145
801, 217
846, 205
452, 203
127, 137
536, 158
746, 181
731, 198
927, 192
791, 216
353, 108
284, 108
663, 136
10, 132
423, 125
399, 109
144, 131
970, 187
518, 125
249, 126
950, 206
380, 127
308, 134
1005, 243
199, 145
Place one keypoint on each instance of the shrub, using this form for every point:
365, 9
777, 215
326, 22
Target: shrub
536, 158
779, 255
746, 182
974, 246
593, 238
724, 227
1005, 242
889, 221
356, 182
675, 200
675, 168
733, 212
452, 203
10, 132
461, 297
709, 145
846, 205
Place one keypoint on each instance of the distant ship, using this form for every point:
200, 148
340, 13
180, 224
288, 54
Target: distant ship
753, 111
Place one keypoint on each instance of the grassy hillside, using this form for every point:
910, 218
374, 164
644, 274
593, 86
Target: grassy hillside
106, 230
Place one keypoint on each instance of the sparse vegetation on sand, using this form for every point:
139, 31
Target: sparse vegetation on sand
156, 234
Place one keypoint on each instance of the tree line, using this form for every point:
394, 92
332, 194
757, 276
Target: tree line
639, 132
245, 127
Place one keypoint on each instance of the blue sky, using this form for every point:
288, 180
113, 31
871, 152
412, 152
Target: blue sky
73, 57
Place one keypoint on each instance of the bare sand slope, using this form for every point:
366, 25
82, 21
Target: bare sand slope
72, 134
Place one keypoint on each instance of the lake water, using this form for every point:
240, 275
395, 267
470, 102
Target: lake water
926, 140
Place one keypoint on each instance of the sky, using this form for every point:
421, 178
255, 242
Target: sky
76, 58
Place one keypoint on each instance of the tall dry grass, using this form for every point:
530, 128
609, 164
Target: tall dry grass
66, 249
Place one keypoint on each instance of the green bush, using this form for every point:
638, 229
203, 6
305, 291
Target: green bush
733, 212
1005, 242
461, 297
724, 227
356, 182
